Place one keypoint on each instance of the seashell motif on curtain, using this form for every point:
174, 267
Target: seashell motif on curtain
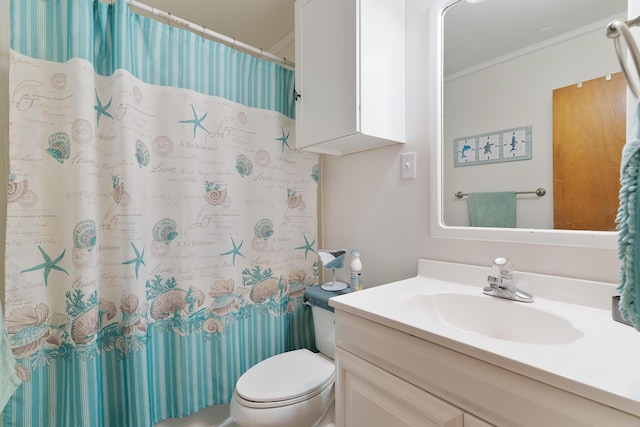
86, 325
294, 199
59, 146
16, 189
19, 192
120, 196
108, 310
224, 304
195, 298
212, 326
265, 289
84, 235
264, 228
30, 328
131, 319
84, 328
142, 154
165, 230
243, 165
28, 340
27, 316
215, 195
222, 287
168, 303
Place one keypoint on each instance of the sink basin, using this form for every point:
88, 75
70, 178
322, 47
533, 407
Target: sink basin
495, 317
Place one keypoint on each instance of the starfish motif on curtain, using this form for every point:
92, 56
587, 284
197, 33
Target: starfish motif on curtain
235, 251
196, 121
308, 247
101, 109
47, 265
138, 260
283, 138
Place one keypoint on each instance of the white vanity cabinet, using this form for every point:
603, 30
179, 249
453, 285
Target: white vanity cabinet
373, 397
387, 377
350, 74
368, 395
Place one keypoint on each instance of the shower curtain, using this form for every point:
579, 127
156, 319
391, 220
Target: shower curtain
161, 223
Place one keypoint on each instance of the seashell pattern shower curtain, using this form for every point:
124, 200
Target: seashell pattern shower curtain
161, 223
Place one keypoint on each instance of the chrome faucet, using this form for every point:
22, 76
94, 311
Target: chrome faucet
501, 282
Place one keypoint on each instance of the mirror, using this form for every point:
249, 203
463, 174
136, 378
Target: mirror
497, 63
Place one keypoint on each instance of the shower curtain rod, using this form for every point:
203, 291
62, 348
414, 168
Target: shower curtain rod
205, 32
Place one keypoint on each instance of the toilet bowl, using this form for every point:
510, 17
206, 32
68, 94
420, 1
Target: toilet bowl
295, 388
292, 389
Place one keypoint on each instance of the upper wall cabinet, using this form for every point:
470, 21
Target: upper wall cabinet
350, 74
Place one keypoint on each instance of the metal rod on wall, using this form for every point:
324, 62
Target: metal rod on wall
539, 192
621, 28
212, 35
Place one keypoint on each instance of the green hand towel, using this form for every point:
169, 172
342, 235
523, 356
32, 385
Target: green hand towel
493, 209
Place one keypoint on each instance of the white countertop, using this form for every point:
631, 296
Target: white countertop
602, 363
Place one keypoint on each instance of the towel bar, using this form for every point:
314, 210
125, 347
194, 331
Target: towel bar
539, 192
621, 28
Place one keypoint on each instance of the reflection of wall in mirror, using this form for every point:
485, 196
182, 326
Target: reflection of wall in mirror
493, 98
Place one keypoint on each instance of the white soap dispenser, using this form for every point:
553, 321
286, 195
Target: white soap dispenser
356, 271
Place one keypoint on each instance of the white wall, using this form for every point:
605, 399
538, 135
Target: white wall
508, 95
367, 206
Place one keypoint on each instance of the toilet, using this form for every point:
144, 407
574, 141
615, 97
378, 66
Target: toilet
295, 388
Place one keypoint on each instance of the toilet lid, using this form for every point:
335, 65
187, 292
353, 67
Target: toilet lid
285, 376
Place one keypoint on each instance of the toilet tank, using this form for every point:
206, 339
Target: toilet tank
323, 318
324, 326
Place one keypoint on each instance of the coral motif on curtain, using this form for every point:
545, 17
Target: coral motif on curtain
161, 223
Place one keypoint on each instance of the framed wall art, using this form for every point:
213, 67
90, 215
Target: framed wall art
505, 145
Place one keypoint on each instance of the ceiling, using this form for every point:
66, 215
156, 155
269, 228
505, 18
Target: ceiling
516, 24
269, 24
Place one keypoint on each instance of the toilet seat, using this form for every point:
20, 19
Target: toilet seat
285, 379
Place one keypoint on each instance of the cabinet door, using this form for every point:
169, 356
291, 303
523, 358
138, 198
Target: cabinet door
350, 74
325, 70
471, 421
369, 396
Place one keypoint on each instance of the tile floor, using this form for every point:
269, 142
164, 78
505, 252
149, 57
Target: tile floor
212, 416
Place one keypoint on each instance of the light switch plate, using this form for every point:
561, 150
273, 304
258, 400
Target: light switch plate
408, 165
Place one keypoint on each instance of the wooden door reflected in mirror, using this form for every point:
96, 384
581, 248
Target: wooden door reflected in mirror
589, 131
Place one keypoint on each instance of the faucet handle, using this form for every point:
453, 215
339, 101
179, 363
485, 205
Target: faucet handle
502, 267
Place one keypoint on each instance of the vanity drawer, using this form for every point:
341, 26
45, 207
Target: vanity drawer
373, 397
